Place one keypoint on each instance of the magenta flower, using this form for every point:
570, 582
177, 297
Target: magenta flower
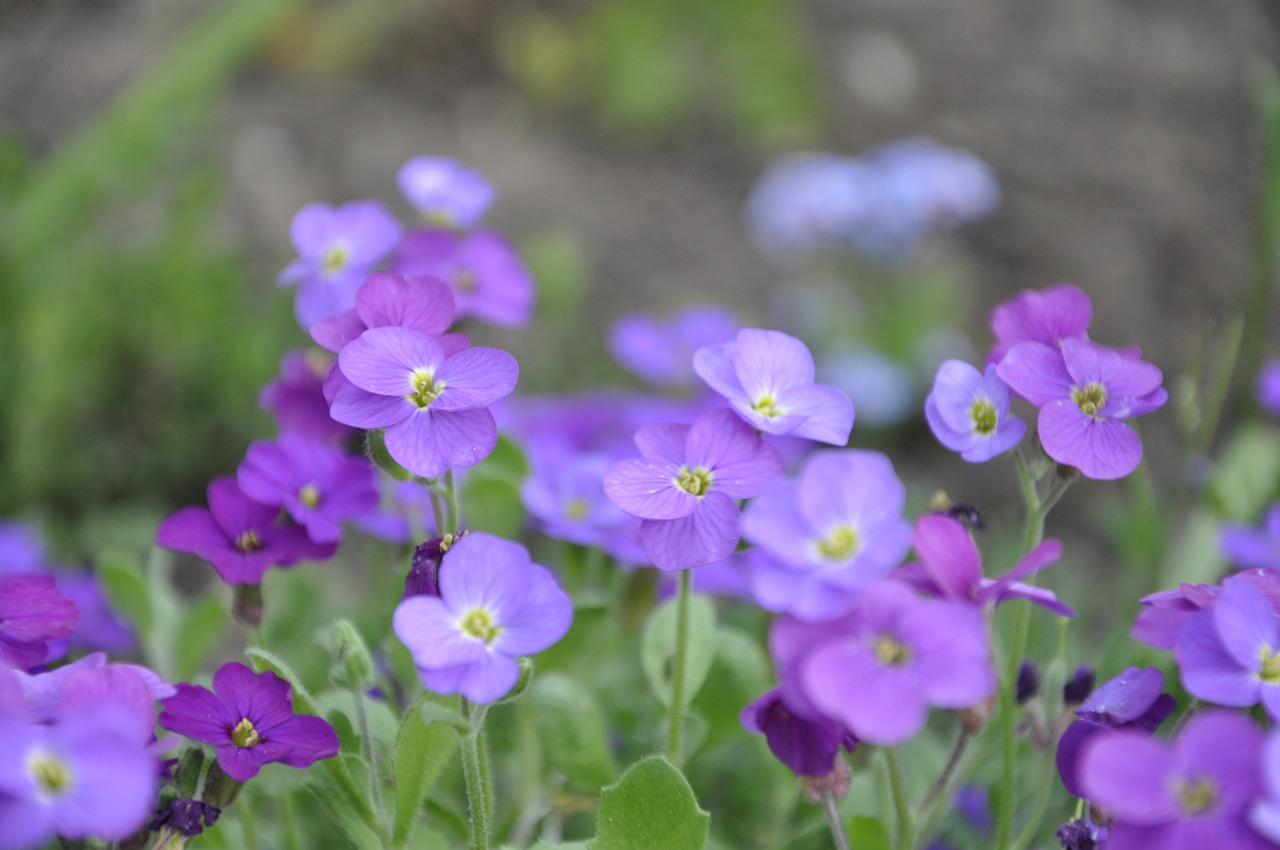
32, 613
1085, 392
444, 191
807, 747
336, 248
296, 399
433, 405
685, 485
661, 352
1048, 317
1230, 654
968, 412
487, 277
768, 378
1193, 793
495, 605
419, 302
248, 719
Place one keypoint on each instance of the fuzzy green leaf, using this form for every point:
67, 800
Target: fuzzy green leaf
651, 806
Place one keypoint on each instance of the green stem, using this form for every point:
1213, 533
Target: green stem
676, 722
290, 818
452, 515
249, 823
940, 784
1051, 687
833, 819
906, 822
370, 753
475, 775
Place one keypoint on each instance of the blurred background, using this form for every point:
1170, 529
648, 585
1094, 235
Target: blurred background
153, 152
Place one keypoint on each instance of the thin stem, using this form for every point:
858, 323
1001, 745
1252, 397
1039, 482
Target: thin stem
370, 752
833, 819
249, 823
940, 784
290, 818
452, 515
676, 721
906, 822
474, 774
1055, 731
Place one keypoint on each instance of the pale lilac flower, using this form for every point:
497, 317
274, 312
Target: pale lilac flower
296, 399
495, 605
1254, 546
968, 412
807, 747
565, 494
1046, 316
1160, 621
882, 390
661, 351
47, 696
1265, 812
685, 485
444, 191
1230, 653
404, 514
488, 279
768, 378
808, 202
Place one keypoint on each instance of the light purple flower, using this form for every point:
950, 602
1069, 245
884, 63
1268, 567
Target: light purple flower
661, 351
1046, 316
434, 406
1084, 392
882, 389
419, 302
21, 550
768, 378
808, 202
685, 485
899, 655
832, 533
495, 605
444, 191
296, 399
404, 515
487, 277
238, 536
1193, 793
1228, 654
337, 248
565, 494
248, 719
318, 485
32, 613
968, 412
807, 747
46, 696
1268, 387
1264, 815
1160, 621
99, 626
1254, 546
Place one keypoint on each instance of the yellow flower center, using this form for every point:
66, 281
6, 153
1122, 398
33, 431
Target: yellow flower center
576, 509
309, 495
840, 545
478, 623
1197, 796
465, 280
244, 735
333, 260
1270, 666
695, 481
984, 416
767, 405
426, 388
890, 652
1090, 398
248, 541
52, 775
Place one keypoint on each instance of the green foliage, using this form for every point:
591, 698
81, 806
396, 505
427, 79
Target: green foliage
651, 806
572, 731
1245, 477
423, 749
658, 643
491, 492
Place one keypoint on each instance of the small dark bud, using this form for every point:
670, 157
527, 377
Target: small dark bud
189, 817
967, 513
836, 782
974, 718
1068, 473
247, 605
1077, 835
1028, 682
424, 574
1078, 687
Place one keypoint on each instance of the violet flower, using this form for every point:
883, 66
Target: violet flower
486, 275
419, 302
1254, 546
248, 719
1267, 387
1160, 622
807, 747
32, 613
1193, 793
45, 696
968, 412
1046, 316
21, 550
495, 605
661, 351
685, 485
566, 496
1264, 815
768, 378
444, 192
1229, 654
296, 399
238, 536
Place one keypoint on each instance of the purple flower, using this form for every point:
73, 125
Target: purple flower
831, 534
42, 694
661, 352
566, 495
487, 277
1160, 622
248, 719
318, 485
1268, 387
32, 613
495, 604
1080, 835
1194, 793
973, 802
899, 655
1228, 654
445, 192
950, 567
296, 399
99, 626
807, 747
405, 514
768, 378
1265, 813
419, 302
238, 536
1047, 317
189, 817
82, 776
808, 202
1253, 546
968, 412
1084, 392
336, 248
434, 406
20, 549
685, 485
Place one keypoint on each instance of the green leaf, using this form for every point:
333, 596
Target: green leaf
121, 578
576, 845
573, 731
1244, 480
338, 796
303, 702
651, 806
739, 673
493, 505
658, 648
198, 635
422, 751
868, 833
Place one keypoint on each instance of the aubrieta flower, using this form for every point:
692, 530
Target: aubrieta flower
486, 275
20, 549
1085, 392
32, 613
1161, 620
444, 191
1265, 813
99, 626
768, 377
1230, 653
419, 302
494, 605
807, 747
1193, 793
1267, 387
337, 248
44, 697
661, 351
565, 494
296, 399
318, 486
832, 533
685, 484
968, 412
248, 719
1047, 316
808, 202
1254, 546
238, 536
433, 405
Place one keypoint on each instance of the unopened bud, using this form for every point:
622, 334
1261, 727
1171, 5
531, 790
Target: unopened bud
975, 717
352, 665
1078, 687
246, 605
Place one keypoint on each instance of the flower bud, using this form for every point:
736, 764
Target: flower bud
352, 664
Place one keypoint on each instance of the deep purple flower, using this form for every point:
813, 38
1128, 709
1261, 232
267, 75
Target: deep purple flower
444, 191
768, 378
1268, 387
1193, 793
1228, 654
1046, 316
487, 277
83, 776
1077, 689
1080, 835
248, 719
1028, 684
189, 817
419, 302
318, 485
336, 248
968, 412
99, 626
685, 485
1085, 392
831, 534
950, 567
1254, 546
32, 613
296, 399
900, 655
807, 747
434, 406
495, 604
661, 351
1160, 622
238, 536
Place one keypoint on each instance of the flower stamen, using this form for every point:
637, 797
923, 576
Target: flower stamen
694, 481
